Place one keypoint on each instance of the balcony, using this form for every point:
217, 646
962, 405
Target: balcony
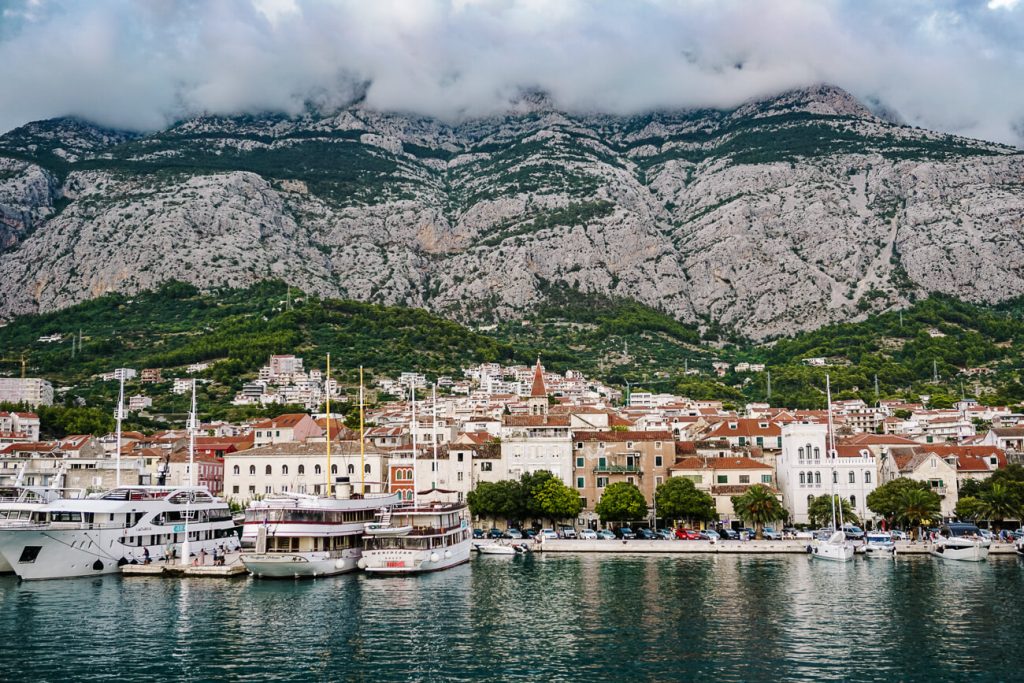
617, 469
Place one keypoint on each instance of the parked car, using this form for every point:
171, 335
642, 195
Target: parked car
853, 533
513, 533
530, 533
625, 533
789, 532
1018, 533
495, 533
589, 535
728, 534
687, 534
567, 532
478, 533
606, 535
647, 535
665, 534
900, 535
770, 534
803, 535
548, 533
710, 535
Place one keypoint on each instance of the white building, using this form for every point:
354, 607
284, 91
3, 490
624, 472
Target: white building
139, 402
181, 385
32, 391
804, 471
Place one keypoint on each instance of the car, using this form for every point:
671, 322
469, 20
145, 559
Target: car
803, 535
495, 533
588, 535
853, 533
606, 535
548, 533
789, 532
665, 534
567, 532
749, 532
624, 533
770, 534
530, 533
728, 534
687, 534
899, 535
1018, 534
647, 535
710, 535
478, 533
513, 533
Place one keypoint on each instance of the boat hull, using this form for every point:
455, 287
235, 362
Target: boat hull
832, 552
409, 561
299, 565
964, 553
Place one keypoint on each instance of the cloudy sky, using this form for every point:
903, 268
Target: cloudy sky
952, 65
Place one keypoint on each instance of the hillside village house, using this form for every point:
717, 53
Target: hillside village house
724, 478
803, 470
924, 464
604, 458
1005, 438
284, 429
18, 427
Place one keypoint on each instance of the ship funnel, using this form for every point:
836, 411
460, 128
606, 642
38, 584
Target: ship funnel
342, 488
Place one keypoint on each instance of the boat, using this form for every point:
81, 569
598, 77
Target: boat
835, 548
878, 544
438, 537
960, 541
18, 502
1019, 546
292, 535
495, 549
97, 535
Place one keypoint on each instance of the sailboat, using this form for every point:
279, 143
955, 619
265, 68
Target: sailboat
836, 547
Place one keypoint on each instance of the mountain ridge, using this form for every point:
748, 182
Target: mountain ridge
780, 215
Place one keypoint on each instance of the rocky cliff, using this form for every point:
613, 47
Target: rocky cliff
778, 216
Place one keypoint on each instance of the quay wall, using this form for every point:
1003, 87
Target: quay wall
561, 545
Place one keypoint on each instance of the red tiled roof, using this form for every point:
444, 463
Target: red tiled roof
281, 421
746, 427
622, 436
535, 420
730, 463
538, 390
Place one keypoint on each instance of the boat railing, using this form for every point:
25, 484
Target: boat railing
433, 531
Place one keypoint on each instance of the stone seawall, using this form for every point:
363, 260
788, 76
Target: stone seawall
737, 547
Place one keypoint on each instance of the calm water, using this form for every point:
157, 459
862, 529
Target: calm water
537, 618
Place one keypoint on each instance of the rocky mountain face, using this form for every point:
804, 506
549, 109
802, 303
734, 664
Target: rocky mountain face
778, 216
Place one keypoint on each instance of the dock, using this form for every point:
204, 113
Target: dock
231, 568
678, 547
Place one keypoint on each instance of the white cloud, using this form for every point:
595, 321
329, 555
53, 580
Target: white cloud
950, 65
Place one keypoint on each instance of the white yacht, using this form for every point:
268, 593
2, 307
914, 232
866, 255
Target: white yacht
959, 541
294, 535
85, 537
18, 502
879, 544
835, 547
438, 537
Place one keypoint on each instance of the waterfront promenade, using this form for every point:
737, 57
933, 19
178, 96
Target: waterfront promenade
561, 545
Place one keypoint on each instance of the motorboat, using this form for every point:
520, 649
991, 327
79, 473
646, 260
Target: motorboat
878, 544
292, 535
434, 536
132, 524
836, 548
960, 541
495, 549
1019, 546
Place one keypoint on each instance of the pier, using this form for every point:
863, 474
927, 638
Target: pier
231, 568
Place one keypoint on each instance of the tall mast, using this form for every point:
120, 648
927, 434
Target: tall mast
327, 386
415, 494
191, 425
832, 456
120, 416
433, 438
362, 445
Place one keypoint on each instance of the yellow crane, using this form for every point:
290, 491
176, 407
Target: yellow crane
23, 359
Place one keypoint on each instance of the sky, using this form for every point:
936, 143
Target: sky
950, 65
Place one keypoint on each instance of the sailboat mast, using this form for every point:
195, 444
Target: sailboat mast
831, 454
433, 438
413, 425
362, 441
327, 383
119, 416
186, 550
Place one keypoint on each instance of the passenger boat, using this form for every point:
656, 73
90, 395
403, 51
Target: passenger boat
438, 537
959, 541
17, 504
297, 535
85, 537
879, 544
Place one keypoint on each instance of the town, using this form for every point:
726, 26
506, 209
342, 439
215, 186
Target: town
499, 423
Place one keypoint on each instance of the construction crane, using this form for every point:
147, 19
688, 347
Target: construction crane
23, 359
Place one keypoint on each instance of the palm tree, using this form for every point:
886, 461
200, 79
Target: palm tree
820, 511
999, 502
760, 506
915, 506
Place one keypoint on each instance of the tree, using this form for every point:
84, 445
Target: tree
500, 499
970, 508
915, 507
820, 511
1002, 501
884, 500
621, 502
557, 501
760, 506
530, 484
678, 498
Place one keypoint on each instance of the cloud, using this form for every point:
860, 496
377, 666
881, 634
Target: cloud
950, 65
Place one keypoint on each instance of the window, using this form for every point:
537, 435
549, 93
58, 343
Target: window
853, 501
252, 470
743, 441
934, 463
601, 463
744, 478
766, 478
334, 469
760, 441
366, 469
252, 489
853, 477
658, 480
268, 470
351, 469
235, 470
801, 452
810, 499
695, 478
657, 461
600, 444
629, 480
579, 462
302, 469
267, 489
817, 477
835, 477
629, 445
284, 469
460, 456
579, 445
234, 489
317, 469
802, 478
722, 478
580, 482
486, 466
867, 476
817, 453
277, 433
602, 482
657, 445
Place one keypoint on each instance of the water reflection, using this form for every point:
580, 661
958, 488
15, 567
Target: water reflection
553, 618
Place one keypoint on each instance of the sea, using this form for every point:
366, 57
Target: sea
561, 617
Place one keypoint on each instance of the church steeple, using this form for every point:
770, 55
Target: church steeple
538, 401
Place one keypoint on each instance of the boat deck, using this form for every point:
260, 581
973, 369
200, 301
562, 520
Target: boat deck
232, 567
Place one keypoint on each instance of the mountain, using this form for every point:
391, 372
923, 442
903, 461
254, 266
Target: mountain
778, 216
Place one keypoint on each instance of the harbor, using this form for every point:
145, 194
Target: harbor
785, 547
